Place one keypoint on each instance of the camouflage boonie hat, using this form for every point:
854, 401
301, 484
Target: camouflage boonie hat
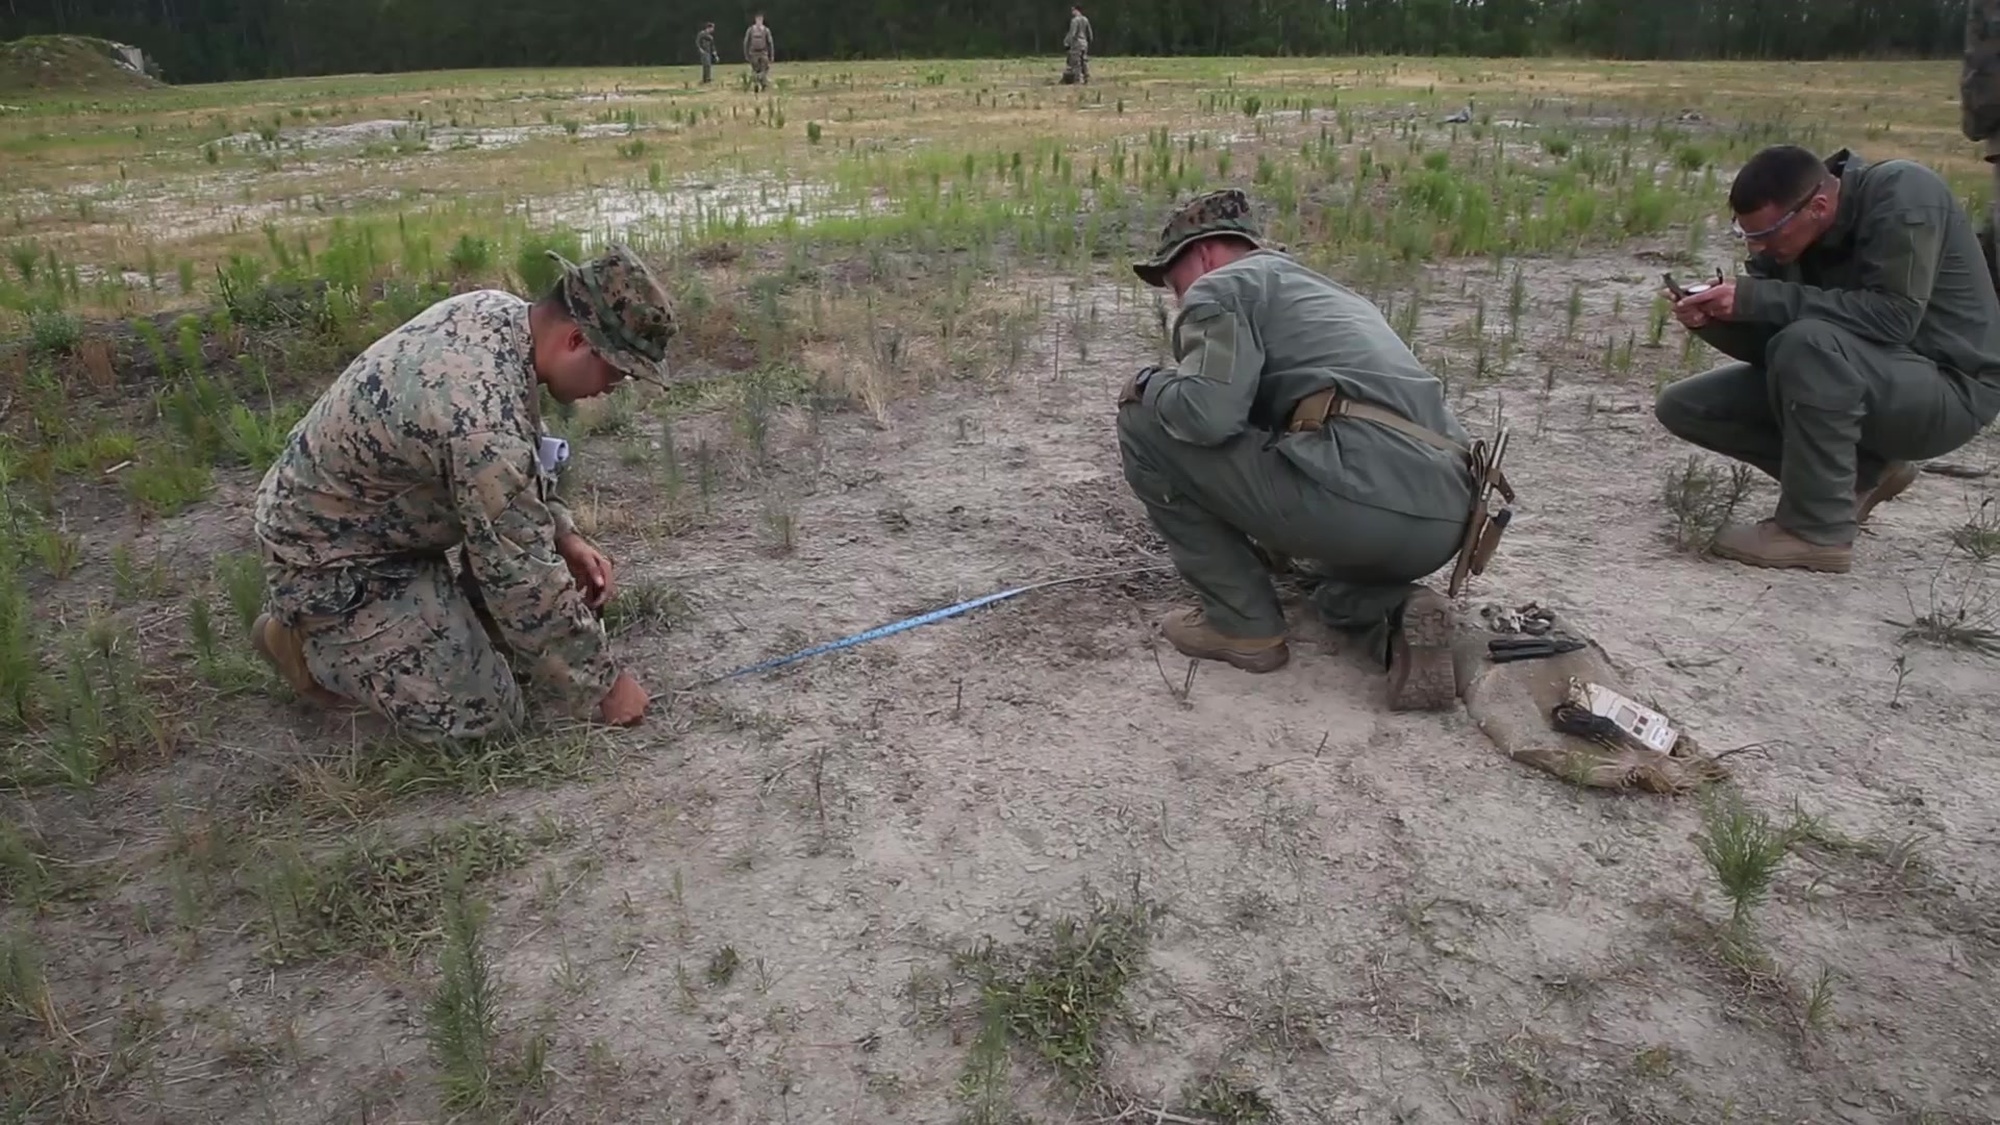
623, 312
1205, 216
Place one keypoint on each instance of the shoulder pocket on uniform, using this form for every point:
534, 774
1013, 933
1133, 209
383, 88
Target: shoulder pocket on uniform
1209, 344
1193, 316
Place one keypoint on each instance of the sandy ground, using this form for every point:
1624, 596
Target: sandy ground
1365, 916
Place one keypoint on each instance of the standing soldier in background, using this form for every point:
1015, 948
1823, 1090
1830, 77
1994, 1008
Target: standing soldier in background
758, 49
1077, 43
704, 45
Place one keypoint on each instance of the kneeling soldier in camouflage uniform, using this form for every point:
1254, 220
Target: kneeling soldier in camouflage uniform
1866, 335
1295, 415
429, 441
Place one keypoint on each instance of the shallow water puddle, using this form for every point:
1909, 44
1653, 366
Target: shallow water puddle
601, 213
413, 134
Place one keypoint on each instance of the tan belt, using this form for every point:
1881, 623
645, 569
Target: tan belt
1317, 409
1483, 526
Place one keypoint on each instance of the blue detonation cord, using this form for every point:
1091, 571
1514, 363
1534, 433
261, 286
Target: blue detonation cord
913, 622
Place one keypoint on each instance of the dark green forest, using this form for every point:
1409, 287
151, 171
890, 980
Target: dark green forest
216, 40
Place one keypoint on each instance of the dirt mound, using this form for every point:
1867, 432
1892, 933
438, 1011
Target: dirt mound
72, 64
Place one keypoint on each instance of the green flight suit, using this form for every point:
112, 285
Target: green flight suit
1206, 450
1880, 343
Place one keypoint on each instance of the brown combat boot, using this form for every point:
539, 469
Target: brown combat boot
284, 650
1897, 477
1191, 633
1421, 675
1766, 544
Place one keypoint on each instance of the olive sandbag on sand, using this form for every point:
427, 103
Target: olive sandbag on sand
1512, 703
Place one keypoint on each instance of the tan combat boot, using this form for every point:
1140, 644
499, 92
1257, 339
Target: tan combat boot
284, 650
1421, 675
1766, 544
1191, 633
1897, 477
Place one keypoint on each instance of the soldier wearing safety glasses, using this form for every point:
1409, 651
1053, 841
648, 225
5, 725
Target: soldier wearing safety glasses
1866, 335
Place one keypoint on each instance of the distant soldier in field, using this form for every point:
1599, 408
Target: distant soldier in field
1297, 418
428, 443
704, 46
1077, 43
1866, 335
759, 48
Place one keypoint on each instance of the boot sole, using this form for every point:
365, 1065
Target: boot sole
1269, 660
1887, 489
1421, 674
1821, 566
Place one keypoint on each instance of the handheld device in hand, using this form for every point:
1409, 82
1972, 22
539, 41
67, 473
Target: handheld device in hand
1682, 294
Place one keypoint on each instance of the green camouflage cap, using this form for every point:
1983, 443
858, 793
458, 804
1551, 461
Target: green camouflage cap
623, 312
1205, 216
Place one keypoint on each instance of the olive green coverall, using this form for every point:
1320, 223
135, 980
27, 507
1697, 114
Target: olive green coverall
1880, 343
1206, 450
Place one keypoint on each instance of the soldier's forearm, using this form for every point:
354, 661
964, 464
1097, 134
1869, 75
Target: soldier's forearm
564, 520
1889, 318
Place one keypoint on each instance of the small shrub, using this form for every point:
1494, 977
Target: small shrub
241, 576
470, 255
1702, 499
55, 332
462, 1020
1743, 849
164, 482
534, 268
257, 437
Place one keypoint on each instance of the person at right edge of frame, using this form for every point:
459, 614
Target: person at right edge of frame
1979, 94
1865, 335
758, 49
1246, 446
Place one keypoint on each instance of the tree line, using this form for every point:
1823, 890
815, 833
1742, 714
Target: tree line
221, 40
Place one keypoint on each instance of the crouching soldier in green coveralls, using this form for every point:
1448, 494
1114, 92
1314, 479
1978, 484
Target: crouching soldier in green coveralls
1866, 335
1295, 416
429, 441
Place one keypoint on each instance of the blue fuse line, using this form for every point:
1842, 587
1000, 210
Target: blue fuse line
894, 627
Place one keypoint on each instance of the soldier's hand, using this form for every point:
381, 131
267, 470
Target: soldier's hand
589, 567
1715, 303
625, 704
1135, 388
1689, 314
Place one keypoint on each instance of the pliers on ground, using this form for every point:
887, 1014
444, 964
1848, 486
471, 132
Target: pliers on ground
1504, 649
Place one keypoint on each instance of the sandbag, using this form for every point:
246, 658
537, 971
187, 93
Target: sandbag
1512, 703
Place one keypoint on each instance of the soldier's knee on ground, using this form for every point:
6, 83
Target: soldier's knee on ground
430, 713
